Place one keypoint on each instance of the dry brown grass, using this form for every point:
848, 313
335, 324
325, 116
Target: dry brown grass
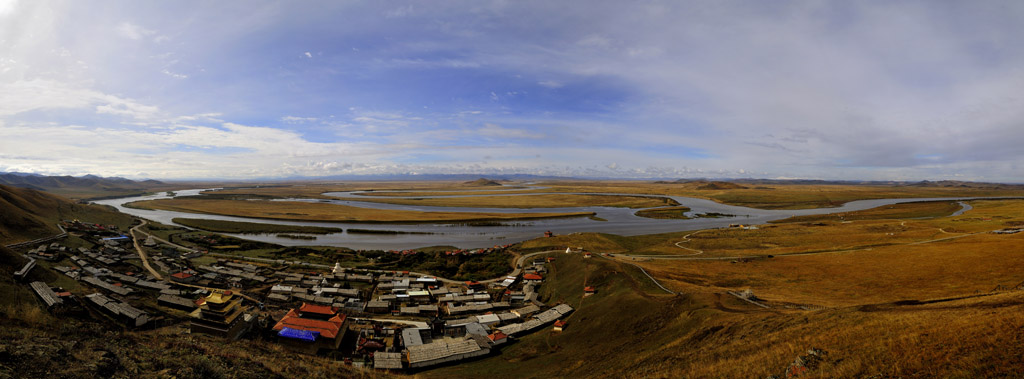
315, 189
885, 274
888, 260
781, 196
775, 196
288, 210
966, 338
929, 209
533, 201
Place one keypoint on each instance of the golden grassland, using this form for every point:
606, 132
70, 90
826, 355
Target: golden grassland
769, 196
290, 210
453, 192
629, 329
535, 201
885, 274
924, 209
674, 213
967, 338
782, 196
316, 189
863, 262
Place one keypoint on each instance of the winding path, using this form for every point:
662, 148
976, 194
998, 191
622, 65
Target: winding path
142, 253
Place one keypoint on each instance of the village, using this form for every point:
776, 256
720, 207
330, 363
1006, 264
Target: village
389, 320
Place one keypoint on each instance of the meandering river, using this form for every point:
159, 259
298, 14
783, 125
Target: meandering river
621, 221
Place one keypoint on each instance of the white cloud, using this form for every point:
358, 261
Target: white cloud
496, 131
23, 96
173, 74
551, 84
308, 55
7, 7
133, 31
399, 12
298, 120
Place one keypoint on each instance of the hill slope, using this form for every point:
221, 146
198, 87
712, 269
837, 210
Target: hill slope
88, 186
28, 214
482, 182
630, 329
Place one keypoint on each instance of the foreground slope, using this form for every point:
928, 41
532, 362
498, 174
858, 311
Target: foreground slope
935, 297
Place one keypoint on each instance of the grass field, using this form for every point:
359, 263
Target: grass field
286, 210
883, 261
768, 196
251, 227
534, 201
929, 209
879, 321
782, 196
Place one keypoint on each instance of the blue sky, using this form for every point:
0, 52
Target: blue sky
250, 89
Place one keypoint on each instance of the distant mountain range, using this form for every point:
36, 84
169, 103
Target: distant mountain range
80, 187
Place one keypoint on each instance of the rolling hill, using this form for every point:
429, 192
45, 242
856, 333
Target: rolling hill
83, 187
482, 182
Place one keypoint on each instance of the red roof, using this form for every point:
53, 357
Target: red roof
472, 283
319, 309
181, 275
327, 329
497, 336
560, 323
532, 277
588, 289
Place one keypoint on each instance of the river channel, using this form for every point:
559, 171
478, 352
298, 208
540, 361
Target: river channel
621, 221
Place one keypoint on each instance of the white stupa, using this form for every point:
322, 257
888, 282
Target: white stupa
337, 268
568, 250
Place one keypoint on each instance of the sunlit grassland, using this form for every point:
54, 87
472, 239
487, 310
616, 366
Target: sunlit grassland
534, 201
780, 196
677, 213
316, 189
966, 338
930, 209
886, 260
773, 196
303, 211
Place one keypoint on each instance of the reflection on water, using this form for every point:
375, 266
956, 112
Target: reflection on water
621, 221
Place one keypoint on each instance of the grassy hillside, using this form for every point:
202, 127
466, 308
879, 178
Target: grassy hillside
82, 187
915, 301
629, 329
29, 214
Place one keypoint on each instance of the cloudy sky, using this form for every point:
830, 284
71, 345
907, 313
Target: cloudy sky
254, 89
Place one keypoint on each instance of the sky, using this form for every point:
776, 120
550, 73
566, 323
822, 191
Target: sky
864, 90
